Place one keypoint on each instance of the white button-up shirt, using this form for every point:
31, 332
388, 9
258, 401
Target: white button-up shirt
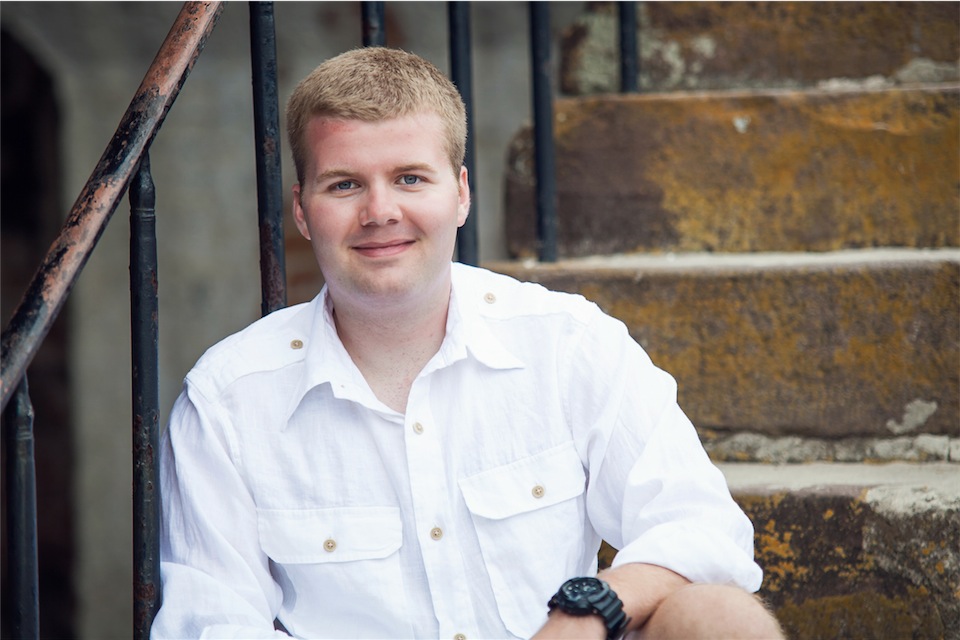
539, 428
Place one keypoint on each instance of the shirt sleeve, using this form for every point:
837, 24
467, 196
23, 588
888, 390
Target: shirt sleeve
652, 491
216, 580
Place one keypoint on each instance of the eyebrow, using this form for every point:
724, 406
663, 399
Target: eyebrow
419, 166
405, 168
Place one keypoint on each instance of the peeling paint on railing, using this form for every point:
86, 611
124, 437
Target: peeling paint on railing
99, 198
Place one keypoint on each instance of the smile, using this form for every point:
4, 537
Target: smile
383, 249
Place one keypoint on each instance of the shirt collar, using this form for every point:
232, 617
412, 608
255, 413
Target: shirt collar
467, 332
326, 361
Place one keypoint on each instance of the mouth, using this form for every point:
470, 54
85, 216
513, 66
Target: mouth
383, 249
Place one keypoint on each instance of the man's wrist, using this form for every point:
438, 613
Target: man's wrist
591, 598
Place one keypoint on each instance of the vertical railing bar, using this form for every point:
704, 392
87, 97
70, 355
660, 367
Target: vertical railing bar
374, 29
101, 195
266, 120
458, 14
21, 490
628, 47
144, 324
543, 132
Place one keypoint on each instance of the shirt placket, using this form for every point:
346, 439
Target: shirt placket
437, 530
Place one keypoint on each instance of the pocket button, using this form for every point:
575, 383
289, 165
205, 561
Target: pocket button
538, 491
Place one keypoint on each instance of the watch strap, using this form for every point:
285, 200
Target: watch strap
599, 600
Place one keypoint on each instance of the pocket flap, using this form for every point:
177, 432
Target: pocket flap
532, 483
336, 534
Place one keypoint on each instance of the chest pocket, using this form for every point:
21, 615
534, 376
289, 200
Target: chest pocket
338, 534
530, 519
339, 560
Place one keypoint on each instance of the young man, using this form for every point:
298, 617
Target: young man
428, 449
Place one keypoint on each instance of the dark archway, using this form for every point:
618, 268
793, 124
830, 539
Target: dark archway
29, 221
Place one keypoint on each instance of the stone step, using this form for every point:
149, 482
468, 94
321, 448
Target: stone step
860, 349
856, 550
722, 45
746, 171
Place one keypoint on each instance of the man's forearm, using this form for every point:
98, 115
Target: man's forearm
641, 588
663, 604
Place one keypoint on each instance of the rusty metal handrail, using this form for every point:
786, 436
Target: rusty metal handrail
100, 196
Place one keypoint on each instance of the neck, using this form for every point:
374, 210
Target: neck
391, 343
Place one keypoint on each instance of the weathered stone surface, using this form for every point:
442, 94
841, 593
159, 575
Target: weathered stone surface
852, 550
755, 447
847, 344
722, 45
864, 551
735, 172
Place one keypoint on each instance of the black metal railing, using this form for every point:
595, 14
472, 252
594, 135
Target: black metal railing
546, 181
266, 120
629, 55
21, 485
145, 367
45, 297
125, 163
461, 72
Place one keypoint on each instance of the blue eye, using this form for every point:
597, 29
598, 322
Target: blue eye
410, 180
343, 186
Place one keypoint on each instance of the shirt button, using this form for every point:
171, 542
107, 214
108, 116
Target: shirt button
436, 533
329, 544
417, 428
459, 636
296, 344
538, 491
489, 298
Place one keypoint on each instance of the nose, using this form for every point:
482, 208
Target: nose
379, 207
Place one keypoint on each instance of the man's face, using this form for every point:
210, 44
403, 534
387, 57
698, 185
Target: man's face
381, 206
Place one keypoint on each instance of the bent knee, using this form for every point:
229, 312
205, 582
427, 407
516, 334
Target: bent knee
711, 611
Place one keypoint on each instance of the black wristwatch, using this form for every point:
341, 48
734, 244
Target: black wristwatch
591, 596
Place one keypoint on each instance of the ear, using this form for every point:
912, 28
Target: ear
463, 205
298, 215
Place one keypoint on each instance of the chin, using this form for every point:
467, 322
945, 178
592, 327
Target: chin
385, 286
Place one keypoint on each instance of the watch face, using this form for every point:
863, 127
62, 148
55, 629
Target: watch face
582, 591
591, 596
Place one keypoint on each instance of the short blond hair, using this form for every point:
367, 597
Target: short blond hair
374, 84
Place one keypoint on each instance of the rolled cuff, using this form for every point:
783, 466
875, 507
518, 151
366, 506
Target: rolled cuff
700, 555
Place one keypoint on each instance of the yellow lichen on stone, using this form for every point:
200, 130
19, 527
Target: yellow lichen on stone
790, 171
866, 614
